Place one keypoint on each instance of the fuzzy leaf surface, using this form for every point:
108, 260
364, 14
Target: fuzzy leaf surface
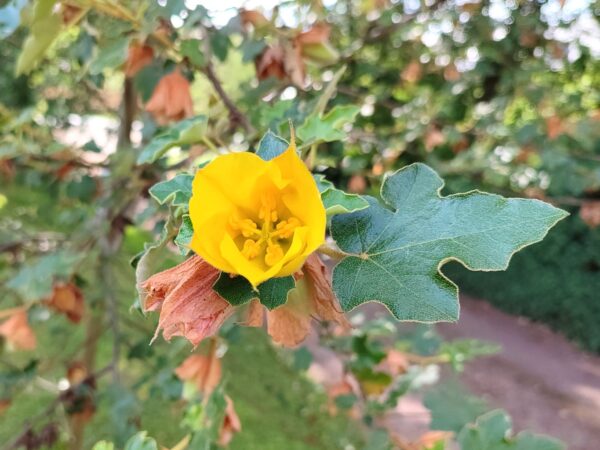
396, 248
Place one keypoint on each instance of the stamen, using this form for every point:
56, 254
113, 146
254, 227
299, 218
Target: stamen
251, 249
273, 255
285, 228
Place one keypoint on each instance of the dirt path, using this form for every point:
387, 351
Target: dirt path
542, 380
545, 383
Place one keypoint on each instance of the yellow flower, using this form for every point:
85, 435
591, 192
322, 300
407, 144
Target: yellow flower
259, 219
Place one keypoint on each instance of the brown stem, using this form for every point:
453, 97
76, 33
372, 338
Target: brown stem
235, 115
128, 113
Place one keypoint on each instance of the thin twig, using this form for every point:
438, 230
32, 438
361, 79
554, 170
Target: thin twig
235, 115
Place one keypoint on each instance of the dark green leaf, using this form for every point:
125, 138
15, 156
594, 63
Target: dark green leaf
219, 43
251, 49
271, 146
110, 56
396, 249
237, 290
191, 49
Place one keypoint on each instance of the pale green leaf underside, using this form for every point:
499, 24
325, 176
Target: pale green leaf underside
396, 250
337, 201
177, 190
185, 132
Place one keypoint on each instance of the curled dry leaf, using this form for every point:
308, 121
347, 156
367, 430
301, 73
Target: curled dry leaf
171, 99
293, 64
4, 405
138, 57
254, 18
17, 332
357, 184
188, 305
554, 127
202, 370
78, 400
433, 138
451, 73
231, 424
590, 213
412, 72
317, 34
67, 299
314, 45
270, 63
289, 324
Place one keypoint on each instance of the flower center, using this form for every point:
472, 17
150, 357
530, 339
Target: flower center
268, 237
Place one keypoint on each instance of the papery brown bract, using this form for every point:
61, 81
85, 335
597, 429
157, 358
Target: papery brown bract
188, 305
202, 370
171, 100
67, 299
17, 332
323, 300
231, 424
289, 324
138, 57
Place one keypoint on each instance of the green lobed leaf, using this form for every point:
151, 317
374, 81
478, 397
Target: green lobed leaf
184, 236
271, 146
492, 431
190, 48
238, 291
396, 249
329, 127
185, 132
110, 56
177, 191
337, 201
